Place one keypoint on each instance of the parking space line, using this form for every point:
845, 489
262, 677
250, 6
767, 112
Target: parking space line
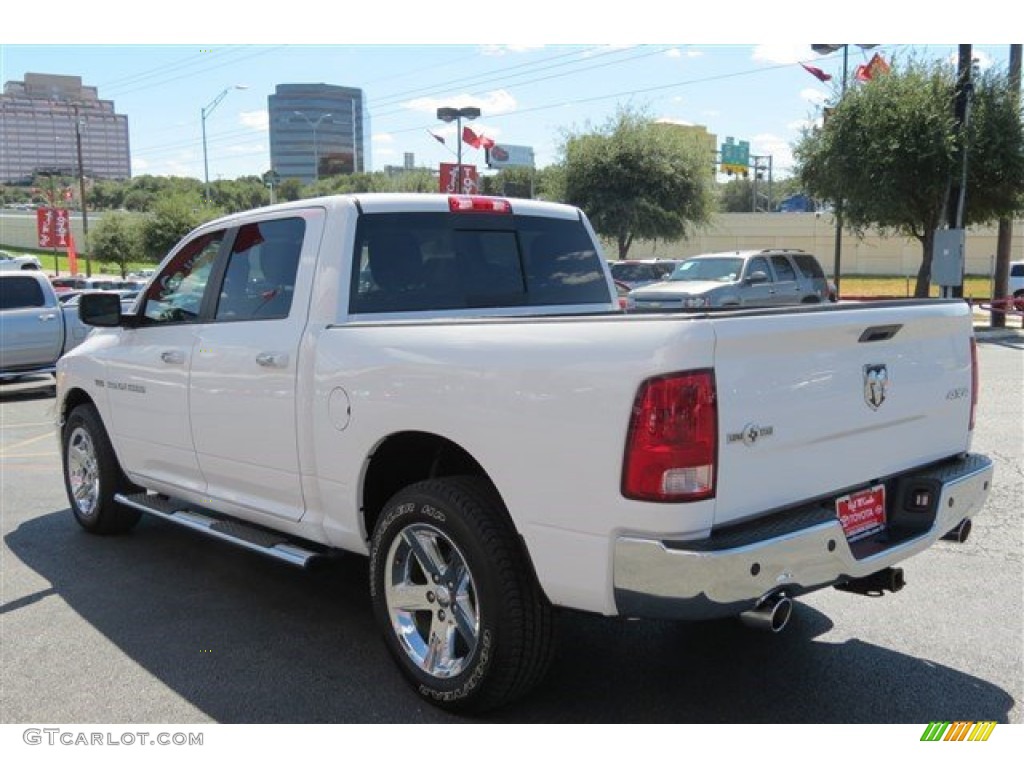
5, 453
33, 424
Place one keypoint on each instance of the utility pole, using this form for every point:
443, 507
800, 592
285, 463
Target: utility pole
838, 255
81, 193
1002, 275
956, 203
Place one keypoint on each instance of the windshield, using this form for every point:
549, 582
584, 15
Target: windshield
714, 270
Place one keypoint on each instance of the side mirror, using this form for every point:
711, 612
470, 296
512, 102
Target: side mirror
757, 277
102, 310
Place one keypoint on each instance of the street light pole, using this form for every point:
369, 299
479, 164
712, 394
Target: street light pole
314, 124
447, 114
203, 114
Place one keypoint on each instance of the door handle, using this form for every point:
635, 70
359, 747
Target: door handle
173, 356
48, 316
272, 359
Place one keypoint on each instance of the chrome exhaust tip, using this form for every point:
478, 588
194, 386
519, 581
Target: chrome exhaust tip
771, 614
960, 533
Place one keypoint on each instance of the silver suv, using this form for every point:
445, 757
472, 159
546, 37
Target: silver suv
765, 278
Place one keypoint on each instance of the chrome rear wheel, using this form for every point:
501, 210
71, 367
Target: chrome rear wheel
432, 600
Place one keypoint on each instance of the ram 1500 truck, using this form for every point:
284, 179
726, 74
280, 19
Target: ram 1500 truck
446, 385
35, 329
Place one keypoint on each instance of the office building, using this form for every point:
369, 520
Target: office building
317, 130
39, 118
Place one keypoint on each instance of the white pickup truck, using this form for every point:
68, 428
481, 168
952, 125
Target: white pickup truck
446, 384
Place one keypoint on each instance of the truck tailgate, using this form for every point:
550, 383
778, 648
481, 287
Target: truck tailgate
809, 409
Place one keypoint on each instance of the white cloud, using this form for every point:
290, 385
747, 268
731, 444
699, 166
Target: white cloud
504, 50
770, 144
982, 59
679, 53
782, 54
382, 138
801, 125
814, 96
491, 103
260, 119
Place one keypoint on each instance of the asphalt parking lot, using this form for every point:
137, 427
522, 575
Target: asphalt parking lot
160, 626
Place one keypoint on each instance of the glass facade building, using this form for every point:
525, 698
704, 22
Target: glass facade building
317, 130
38, 120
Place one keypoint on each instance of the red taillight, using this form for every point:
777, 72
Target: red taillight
477, 204
673, 439
974, 380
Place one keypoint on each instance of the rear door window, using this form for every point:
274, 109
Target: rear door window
809, 267
426, 261
260, 279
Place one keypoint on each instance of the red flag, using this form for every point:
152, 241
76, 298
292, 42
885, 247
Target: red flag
470, 138
876, 66
440, 139
818, 73
477, 141
72, 254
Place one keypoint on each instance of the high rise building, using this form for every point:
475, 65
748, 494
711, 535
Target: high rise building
317, 130
39, 119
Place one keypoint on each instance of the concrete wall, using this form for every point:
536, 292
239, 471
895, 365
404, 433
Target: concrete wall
815, 234
18, 230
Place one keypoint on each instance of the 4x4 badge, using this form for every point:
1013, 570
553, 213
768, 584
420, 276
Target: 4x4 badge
876, 385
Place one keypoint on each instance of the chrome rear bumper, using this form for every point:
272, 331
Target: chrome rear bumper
794, 552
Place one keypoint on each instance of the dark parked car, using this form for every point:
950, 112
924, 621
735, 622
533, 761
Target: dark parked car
763, 278
638, 273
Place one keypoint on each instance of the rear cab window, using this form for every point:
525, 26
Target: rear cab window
422, 261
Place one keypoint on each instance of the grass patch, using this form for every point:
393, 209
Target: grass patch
975, 286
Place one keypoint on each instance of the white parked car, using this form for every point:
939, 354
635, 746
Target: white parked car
1016, 284
10, 262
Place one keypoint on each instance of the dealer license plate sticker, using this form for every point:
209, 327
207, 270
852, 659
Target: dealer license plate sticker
862, 513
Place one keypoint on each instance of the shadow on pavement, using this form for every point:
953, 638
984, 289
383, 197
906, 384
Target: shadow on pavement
34, 388
247, 640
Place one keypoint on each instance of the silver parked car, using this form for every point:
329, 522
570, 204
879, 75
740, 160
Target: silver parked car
764, 278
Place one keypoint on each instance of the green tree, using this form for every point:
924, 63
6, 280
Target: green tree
638, 178
173, 216
889, 150
116, 240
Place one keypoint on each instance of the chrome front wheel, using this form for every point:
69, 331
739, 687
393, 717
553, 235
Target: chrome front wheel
92, 475
83, 473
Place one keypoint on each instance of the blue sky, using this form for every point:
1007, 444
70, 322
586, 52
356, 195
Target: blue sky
529, 93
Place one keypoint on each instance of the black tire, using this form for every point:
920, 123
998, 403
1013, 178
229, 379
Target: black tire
498, 626
92, 475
